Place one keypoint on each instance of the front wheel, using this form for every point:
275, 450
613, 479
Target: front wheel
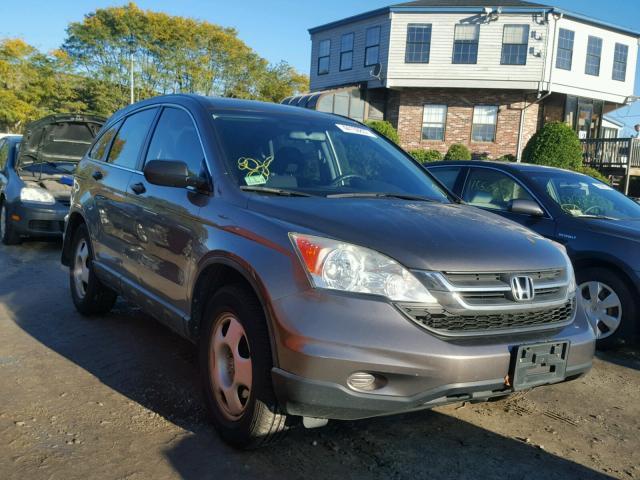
608, 304
235, 362
89, 295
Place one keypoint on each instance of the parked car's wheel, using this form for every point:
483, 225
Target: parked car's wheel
608, 304
89, 295
236, 362
7, 233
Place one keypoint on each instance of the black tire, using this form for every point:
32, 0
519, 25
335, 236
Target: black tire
9, 235
262, 421
98, 299
628, 323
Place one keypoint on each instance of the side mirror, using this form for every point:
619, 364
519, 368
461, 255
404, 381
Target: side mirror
526, 207
172, 173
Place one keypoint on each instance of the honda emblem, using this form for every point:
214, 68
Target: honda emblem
522, 289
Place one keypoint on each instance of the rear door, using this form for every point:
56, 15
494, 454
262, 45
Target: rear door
167, 219
115, 157
493, 190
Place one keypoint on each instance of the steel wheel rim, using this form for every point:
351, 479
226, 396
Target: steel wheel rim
3, 221
81, 268
603, 307
230, 366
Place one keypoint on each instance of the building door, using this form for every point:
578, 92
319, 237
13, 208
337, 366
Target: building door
585, 115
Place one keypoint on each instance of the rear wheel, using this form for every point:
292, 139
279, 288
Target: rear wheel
608, 304
236, 362
7, 232
89, 295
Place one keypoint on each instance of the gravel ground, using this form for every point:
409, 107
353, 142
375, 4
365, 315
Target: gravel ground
117, 397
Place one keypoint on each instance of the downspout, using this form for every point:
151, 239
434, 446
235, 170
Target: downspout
521, 129
550, 87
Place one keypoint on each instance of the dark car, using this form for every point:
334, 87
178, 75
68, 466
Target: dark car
36, 174
322, 272
599, 226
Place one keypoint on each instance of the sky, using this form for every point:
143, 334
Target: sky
275, 29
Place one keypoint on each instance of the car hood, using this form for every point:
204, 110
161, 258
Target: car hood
420, 235
629, 229
59, 138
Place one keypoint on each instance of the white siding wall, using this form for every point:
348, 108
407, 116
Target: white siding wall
441, 72
359, 73
576, 81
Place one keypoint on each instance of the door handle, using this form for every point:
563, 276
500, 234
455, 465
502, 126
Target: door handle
97, 175
138, 188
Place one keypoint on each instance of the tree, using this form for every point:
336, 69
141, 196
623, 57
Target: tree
554, 145
173, 54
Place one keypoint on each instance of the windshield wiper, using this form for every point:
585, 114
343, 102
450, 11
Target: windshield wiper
403, 196
601, 217
274, 191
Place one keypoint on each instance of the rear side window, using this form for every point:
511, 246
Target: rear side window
127, 143
492, 189
99, 149
448, 176
176, 138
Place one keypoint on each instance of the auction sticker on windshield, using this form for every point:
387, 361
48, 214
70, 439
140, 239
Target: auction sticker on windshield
355, 130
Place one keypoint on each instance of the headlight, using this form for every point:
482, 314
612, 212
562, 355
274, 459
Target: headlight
36, 195
341, 266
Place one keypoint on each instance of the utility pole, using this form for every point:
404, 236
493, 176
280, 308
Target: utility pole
132, 99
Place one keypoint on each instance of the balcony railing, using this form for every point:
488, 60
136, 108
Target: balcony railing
612, 153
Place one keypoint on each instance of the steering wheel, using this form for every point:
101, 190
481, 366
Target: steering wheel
597, 208
567, 207
342, 178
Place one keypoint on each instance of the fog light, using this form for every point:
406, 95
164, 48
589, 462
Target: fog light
362, 381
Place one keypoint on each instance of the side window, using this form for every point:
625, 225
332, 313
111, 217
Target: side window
175, 138
448, 176
492, 189
4, 153
127, 143
100, 147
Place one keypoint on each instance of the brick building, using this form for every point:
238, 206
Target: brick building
486, 74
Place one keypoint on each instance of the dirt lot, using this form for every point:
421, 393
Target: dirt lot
117, 397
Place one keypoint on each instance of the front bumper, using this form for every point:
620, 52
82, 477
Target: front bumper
322, 338
39, 220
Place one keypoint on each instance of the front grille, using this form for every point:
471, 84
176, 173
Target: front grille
464, 324
53, 226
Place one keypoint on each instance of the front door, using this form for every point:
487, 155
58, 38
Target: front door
493, 190
167, 224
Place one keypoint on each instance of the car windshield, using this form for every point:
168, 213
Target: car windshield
290, 154
582, 196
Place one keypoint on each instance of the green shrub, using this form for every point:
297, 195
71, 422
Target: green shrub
554, 145
424, 156
384, 128
592, 172
457, 151
506, 158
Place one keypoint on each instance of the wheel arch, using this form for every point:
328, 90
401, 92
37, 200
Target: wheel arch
75, 220
217, 271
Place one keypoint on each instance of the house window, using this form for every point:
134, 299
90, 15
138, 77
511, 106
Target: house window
515, 40
565, 49
346, 52
484, 123
324, 51
594, 52
372, 47
465, 44
418, 43
434, 119
620, 55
